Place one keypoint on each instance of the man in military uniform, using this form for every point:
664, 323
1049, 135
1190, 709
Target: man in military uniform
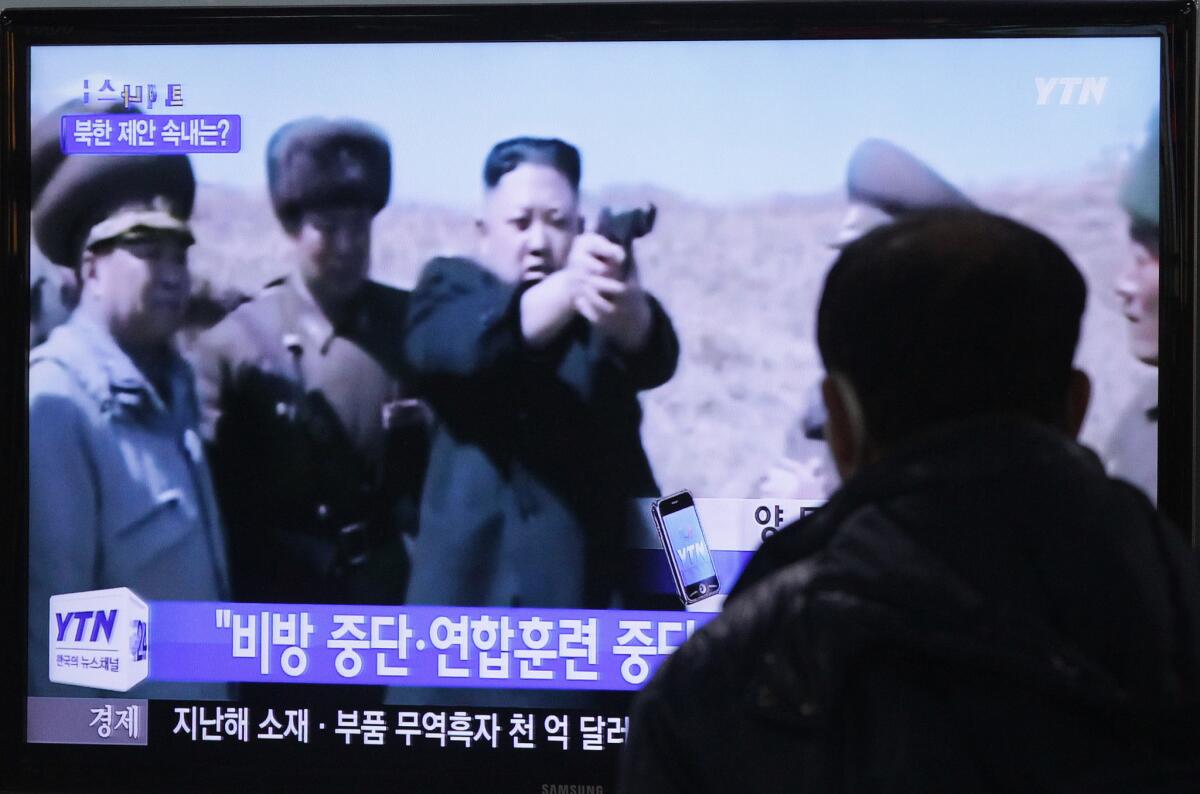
883, 183
317, 451
119, 489
53, 288
1132, 450
53, 293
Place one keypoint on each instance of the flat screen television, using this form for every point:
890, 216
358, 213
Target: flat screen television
400, 539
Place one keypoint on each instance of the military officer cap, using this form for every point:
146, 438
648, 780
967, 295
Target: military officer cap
318, 162
83, 200
886, 181
1139, 191
45, 145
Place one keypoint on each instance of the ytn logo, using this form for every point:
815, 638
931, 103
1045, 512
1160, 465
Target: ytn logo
1091, 90
693, 551
112, 626
99, 620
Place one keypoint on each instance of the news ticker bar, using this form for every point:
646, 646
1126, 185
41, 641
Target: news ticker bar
572, 649
113, 640
158, 723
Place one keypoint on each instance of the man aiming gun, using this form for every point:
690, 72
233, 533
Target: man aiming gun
532, 357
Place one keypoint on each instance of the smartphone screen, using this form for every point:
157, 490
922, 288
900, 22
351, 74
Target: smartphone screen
686, 548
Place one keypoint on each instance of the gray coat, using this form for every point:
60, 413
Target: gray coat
119, 490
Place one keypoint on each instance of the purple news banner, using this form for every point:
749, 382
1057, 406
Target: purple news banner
413, 646
138, 133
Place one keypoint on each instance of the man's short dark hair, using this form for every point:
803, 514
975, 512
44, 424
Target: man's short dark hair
507, 155
948, 314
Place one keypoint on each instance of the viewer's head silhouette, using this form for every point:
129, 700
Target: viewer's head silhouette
945, 315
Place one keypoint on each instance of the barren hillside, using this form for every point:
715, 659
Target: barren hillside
741, 283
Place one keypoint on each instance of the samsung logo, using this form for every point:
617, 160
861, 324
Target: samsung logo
570, 788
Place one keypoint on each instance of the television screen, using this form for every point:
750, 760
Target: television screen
411, 395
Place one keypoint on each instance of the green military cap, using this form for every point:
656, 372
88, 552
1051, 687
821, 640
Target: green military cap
886, 181
92, 199
1139, 191
316, 162
139, 220
45, 140
883, 175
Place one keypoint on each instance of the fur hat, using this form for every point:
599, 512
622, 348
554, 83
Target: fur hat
318, 162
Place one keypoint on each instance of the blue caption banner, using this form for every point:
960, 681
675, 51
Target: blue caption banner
138, 133
413, 646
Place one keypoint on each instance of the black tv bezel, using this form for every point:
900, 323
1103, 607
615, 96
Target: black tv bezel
98, 768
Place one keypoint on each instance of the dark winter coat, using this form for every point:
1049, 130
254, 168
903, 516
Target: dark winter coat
983, 610
536, 455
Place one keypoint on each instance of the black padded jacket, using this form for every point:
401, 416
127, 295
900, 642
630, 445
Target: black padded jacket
982, 611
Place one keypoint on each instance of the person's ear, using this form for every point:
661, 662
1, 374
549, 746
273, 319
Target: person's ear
68, 289
292, 226
845, 429
87, 268
1079, 396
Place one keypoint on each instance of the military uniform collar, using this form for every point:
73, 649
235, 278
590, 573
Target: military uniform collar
307, 319
107, 371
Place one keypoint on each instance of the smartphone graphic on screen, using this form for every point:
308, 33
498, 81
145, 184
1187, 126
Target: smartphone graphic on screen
687, 551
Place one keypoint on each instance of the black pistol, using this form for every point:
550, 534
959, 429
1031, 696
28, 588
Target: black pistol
624, 227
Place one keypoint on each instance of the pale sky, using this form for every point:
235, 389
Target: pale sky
714, 121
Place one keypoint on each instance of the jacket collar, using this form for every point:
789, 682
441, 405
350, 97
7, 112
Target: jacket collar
966, 450
307, 320
857, 560
106, 371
